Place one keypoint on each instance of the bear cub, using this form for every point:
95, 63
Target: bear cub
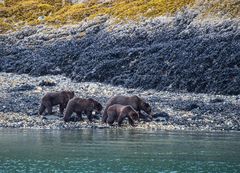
136, 102
55, 98
79, 106
119, 112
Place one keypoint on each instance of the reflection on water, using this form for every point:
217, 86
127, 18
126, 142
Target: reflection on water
118, 150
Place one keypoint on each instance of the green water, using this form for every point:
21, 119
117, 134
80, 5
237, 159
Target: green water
116, 150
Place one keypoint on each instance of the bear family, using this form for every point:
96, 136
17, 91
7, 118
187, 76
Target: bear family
79, 106
136, 102
55, 98
119, 112
117, 108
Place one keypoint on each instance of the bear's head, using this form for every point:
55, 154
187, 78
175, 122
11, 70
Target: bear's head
96, 105
146, 107
70, 94
134, 115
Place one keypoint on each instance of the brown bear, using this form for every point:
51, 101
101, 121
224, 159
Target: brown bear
79, 106
136, 102
55, 98
119, 112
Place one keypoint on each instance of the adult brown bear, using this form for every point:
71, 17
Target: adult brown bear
79, 106
55, 98
136, 102
119, 112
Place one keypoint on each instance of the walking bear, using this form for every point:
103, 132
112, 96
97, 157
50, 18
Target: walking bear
55, 98
119, 112
136, 102
79, 106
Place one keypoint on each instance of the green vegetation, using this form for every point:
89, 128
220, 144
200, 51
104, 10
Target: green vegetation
18, 13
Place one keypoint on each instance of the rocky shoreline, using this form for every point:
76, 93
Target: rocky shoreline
20, 98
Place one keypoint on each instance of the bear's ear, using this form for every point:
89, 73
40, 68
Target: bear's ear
91, 100
147, 105
72, 93
135, 97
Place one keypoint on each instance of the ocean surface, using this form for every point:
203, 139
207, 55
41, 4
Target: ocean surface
118, 150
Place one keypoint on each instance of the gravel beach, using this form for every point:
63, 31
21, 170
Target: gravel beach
20, 98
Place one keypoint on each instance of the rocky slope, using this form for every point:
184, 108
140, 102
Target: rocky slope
20, 98
165, 53
180, 50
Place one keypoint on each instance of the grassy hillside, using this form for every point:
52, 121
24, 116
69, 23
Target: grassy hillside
18, 13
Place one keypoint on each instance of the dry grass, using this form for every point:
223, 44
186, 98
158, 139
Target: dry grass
120, 9
230, 8
17, 13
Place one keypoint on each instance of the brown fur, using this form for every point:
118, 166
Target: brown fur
119, 112
79, 106
136, 102
53, 99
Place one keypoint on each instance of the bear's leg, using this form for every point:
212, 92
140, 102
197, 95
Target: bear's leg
41, 109
61, 108
111, 117
105, 115
48, 105
89, 115
121, 118
130, 120
68, 113
49, 109
79, 114
141, 115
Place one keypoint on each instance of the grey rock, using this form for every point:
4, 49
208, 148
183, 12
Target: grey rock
217, 100
24, 87
161, 114
47, 83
